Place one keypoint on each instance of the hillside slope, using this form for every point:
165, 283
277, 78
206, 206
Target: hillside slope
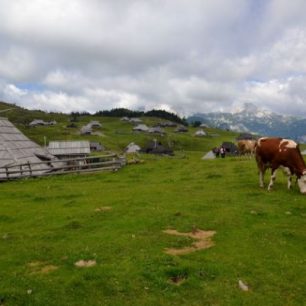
115, 134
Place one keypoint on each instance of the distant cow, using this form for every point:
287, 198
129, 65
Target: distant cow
276, 152
246, 147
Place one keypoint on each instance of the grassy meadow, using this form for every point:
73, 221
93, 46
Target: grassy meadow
116, 223
118, 219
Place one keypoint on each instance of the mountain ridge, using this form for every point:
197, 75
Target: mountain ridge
255, 120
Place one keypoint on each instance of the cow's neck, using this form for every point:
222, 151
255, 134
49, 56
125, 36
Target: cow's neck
299, 168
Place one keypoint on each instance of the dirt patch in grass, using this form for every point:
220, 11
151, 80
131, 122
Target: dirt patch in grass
203, 241
34, 264
177, 280
41, 267
103, 208
85, 263
48, 268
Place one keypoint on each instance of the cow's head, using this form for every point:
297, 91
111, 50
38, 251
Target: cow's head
302, 183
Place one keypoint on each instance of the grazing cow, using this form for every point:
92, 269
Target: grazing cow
246, 147
278, 152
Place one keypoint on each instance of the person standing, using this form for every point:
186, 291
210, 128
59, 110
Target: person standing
222, 152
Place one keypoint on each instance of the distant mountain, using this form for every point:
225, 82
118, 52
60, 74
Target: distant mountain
254, 120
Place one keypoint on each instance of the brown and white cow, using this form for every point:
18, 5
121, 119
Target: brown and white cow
278, 152
246, 147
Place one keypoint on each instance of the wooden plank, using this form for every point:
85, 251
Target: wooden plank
83, 171
92, 165
68, 160
109, 165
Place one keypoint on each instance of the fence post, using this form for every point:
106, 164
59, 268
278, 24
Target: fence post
29, 165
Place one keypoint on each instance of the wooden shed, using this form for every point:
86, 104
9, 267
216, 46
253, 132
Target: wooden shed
141, 128
94, 124
200, 133
37, 122
96, 146
69, 149
181, 129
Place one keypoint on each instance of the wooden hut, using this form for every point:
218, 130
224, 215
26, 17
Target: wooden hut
200, 133
86, 130
141, 128
19, 156
156, 147
156, 130
37, 122
181, 129
135, 120
96, 146
132, 148
69, 149
94, 124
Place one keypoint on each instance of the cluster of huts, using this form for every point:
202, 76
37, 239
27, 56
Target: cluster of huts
21, 155
160, 127
153, 147
40, 122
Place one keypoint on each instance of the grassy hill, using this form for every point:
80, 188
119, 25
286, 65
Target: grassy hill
116, 134
116, 221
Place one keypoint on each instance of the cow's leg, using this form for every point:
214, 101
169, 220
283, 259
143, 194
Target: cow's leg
261, 177
272, 179
287, 172
261, 171
289, 181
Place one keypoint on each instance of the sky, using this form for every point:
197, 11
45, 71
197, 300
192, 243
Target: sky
183, 56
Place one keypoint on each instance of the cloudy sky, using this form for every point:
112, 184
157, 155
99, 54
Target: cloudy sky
185, 56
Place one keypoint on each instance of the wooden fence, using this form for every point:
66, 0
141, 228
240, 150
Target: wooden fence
111, 162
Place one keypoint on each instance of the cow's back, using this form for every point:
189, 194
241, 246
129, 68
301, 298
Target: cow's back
246, 146
267, 149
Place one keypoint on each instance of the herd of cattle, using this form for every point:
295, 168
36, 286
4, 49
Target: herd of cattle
276, 153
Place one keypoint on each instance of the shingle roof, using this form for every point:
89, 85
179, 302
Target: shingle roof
17, 149
141, 127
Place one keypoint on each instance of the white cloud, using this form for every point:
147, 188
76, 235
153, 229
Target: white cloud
16, 63
182, 55
12, 92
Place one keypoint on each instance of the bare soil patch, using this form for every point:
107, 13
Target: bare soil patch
85, 263
41, 267
103, 208
177, 280
203, 241
48, 268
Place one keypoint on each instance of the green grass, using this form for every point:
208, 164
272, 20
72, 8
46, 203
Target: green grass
260, 236
53, 223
